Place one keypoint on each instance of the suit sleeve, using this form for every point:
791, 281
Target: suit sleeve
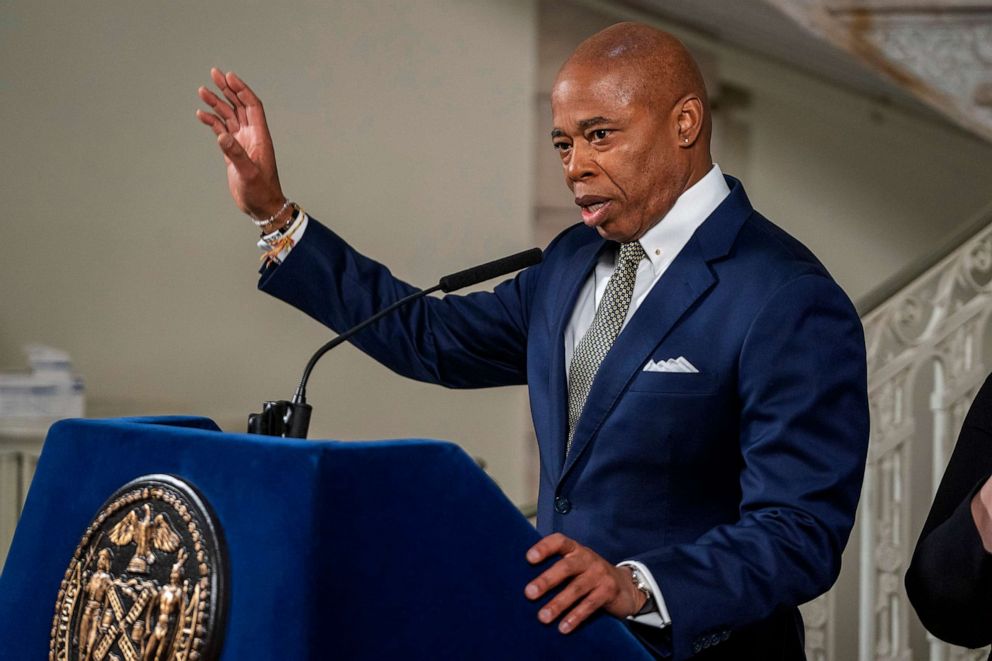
472, 341
803, 428
949, 581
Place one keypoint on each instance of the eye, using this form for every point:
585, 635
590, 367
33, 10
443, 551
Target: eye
600, 134
562, 146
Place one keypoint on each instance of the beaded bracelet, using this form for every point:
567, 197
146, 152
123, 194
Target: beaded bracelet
262, 223
294, 222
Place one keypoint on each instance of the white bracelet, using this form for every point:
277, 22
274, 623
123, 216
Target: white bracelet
263, 223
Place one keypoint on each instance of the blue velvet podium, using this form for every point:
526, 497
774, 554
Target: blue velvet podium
371, 550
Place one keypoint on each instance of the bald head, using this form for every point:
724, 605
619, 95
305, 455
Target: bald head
653, 65
632, 127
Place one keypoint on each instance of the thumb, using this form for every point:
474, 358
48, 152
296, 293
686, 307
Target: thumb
235, 152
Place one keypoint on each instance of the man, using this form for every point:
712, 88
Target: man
698, 391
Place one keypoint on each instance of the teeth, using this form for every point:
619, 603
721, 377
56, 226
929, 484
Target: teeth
596, 207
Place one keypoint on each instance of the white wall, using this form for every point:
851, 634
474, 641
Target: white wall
405, 125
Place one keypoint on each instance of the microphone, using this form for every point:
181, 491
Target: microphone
291, 419
489, 270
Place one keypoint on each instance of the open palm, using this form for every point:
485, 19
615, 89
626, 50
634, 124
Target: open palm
245, 141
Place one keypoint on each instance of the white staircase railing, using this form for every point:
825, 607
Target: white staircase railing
927, 356
19, 450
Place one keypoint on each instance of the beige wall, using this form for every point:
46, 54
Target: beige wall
405, 125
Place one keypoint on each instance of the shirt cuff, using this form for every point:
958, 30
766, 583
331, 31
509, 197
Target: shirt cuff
657, 618
295, 235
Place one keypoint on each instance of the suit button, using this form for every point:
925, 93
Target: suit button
562, 505
696, 647
725, 635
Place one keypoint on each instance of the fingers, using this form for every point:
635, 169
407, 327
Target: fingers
579, 586
590, 582
242, 108
211, 120
223, 110
243, 92
217, 76
550, 545
593, 602
253, 105
559, 572
220, 80
214, 102
592, 587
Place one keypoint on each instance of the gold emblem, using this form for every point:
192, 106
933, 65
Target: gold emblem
145, 582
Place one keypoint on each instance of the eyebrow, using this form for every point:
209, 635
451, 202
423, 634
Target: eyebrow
594, 121
584, 125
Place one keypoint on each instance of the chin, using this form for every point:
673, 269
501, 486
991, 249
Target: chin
613, 234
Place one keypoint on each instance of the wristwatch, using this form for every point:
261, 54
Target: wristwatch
641, 584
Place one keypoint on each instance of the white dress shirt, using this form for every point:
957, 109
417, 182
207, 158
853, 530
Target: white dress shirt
662, 243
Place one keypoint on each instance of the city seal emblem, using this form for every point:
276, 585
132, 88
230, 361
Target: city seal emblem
147, 580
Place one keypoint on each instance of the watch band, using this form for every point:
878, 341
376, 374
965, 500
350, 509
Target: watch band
641, 584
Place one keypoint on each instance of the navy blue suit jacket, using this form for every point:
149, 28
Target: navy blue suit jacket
736, 486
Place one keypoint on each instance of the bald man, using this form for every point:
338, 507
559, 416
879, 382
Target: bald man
697, 379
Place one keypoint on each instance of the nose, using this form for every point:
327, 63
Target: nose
580, 164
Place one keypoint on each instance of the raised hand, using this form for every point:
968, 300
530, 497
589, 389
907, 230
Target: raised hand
244, 139
592, 583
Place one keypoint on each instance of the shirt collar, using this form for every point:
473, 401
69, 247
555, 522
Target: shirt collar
665, 240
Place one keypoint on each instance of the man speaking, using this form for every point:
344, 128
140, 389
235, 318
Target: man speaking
696, 378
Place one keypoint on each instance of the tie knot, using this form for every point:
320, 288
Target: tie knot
632, 253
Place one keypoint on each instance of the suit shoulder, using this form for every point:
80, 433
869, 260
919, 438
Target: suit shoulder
762, 239
787, 268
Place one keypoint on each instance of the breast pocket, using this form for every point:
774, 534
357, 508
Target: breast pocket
675, 383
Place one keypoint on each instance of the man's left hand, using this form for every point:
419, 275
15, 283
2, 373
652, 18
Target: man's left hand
593, 583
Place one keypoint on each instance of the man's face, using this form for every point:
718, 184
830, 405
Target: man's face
619, 152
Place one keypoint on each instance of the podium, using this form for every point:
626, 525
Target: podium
357, 550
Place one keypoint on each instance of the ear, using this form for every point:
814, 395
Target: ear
690, 120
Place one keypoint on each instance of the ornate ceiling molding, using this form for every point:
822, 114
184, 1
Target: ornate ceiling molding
939, 50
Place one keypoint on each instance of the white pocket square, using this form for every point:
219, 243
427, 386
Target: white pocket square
679, 364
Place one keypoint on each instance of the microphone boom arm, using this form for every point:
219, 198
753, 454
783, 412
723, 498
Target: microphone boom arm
292, 419
301, 391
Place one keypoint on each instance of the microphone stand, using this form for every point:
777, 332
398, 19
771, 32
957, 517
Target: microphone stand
291, 419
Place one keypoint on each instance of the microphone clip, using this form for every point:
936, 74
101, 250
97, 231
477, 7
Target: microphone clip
281, 418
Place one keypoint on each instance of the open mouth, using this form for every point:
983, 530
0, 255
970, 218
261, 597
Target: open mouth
594, 208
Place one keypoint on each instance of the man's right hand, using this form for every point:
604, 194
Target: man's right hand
244, 139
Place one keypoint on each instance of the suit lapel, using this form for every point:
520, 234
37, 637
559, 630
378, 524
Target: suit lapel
574, 277
687, 279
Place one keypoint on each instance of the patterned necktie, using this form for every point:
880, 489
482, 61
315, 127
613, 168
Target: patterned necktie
605, 328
